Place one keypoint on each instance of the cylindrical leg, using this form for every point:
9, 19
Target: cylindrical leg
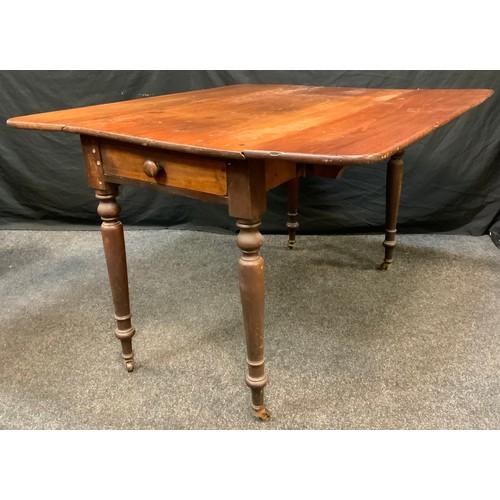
251, 278
293, 205
393, 194
114, 251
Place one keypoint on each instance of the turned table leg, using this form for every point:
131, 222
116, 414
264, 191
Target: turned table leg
114, 251
293, 204
251, 278
393, 194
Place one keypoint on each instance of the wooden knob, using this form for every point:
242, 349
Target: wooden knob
151, 168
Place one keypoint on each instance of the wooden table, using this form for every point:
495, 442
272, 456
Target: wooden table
231, 145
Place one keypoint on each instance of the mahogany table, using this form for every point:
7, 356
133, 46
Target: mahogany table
231, 145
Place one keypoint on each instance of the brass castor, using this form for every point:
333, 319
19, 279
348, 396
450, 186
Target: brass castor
262, 413
384, 266
129, 364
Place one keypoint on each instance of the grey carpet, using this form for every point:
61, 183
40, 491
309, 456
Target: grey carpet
348, 347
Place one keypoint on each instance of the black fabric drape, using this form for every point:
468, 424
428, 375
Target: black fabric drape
451, 183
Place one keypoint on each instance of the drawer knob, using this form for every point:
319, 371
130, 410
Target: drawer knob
151, 168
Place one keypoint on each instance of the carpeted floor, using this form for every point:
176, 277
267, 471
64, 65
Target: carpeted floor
347, 346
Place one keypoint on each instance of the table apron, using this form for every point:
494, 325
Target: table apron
175, 170
188, 193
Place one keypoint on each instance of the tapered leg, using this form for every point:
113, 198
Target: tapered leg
114, 251
293, 204
251, 277
394, 184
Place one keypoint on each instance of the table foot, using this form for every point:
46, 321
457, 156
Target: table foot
292, 228
262, 413
293, 202
389, 245
384, 266
129, 363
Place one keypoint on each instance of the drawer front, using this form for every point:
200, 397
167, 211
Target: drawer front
155, 166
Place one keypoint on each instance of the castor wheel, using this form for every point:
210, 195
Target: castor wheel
384, 266
262, 413
129, 365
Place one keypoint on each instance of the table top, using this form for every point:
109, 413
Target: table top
291, 122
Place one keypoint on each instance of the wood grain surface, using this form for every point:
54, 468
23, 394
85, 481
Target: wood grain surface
206, 175
329, 125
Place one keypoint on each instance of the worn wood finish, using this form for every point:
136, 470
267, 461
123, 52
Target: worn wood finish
114, 245
247, 203
278, 172
205, 175
290, 122
197, 195
251, 278
231, 145
394, 185
93, 163
293, 214
116, 261
246, 185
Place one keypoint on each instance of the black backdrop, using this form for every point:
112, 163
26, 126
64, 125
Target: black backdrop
451, 184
